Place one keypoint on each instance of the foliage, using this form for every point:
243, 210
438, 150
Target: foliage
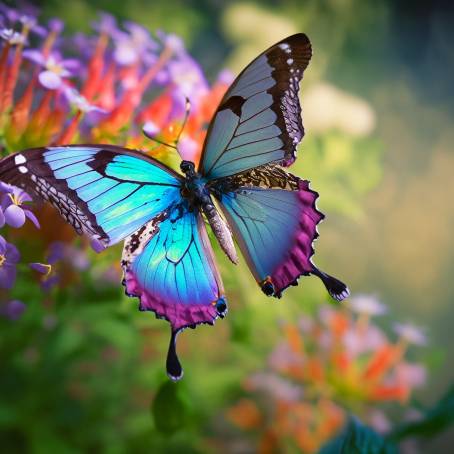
358, 439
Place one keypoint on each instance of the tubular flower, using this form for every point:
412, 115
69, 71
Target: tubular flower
103, 87
340, 361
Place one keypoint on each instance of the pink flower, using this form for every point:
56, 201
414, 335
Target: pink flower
357, 342
379, 421
411, 374
276, 386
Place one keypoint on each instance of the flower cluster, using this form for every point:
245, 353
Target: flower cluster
103, 88
13, 212
328, 366
113, 84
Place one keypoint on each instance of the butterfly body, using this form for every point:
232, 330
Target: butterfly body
198, 193
241, 187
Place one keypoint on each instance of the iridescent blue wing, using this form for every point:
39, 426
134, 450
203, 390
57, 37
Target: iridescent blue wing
104, 191
274, 220
169, 265
259, 119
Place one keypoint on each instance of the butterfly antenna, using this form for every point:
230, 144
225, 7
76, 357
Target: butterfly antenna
174, 146
158, 141
187, 110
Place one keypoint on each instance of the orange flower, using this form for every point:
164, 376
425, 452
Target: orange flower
294, 338
245, 414
381, 362
398, 392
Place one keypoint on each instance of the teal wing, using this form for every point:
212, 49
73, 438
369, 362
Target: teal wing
259, 118
103, 191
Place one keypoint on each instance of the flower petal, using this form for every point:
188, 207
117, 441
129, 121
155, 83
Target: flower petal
96, 245
12, 254
35, 56
2, 218
13, 309
7, 276
32, 218
2, 245
42, 268
15, 216
50, 80
4, 187
24, 197
6, 200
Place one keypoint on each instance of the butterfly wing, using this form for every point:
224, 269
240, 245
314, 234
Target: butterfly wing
104, 191
274, 219
169, 265
259, 119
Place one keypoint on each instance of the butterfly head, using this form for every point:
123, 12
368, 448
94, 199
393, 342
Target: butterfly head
188, 168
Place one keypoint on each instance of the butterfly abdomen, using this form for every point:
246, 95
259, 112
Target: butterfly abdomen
221, 231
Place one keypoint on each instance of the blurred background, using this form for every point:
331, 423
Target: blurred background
82, 370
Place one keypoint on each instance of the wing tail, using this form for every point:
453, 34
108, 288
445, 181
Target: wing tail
336, 288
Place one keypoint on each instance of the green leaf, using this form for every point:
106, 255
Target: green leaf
358, 439
434, 420
168, 409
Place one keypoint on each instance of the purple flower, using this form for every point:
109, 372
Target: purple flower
79, 102
25, 14
56, 252
188, 80
151, 129
12, 310
12, 37
9, 256
55, 25
134, 46
106, 24
68, 253
55, 68
225, 77
11, 204
42, 268
188, 148
172, 42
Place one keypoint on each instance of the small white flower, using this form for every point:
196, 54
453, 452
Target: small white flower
367, 304
410, 333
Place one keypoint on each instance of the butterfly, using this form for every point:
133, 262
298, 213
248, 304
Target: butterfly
240, 188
